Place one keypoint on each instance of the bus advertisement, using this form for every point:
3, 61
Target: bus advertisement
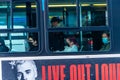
61, 68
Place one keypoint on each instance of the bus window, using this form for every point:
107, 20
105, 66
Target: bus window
95, 41
55, 39
19, 42
17, 20
24, 14
5, 15
64, 41
65, 10
93, 13
75, 41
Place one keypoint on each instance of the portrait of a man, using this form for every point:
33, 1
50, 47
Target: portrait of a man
26, 70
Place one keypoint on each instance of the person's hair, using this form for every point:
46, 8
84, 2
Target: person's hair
107, 33
15, 63
19, 62
56, 19
34, 36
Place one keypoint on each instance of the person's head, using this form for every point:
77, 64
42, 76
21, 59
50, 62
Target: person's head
105, 38
71, 41
33, 40
55, 21
26, 70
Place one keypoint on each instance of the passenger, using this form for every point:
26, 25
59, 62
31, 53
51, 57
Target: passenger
25, 69
3, 47
106, 42
72, 45
55, 21
86, 22
56, 39
33, 42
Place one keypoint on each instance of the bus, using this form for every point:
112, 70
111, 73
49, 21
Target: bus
59, 40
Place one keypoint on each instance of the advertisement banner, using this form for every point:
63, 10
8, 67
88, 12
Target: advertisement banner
61, 69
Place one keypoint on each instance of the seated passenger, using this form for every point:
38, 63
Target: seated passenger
72, 45
106, 42
3, 47
33, 43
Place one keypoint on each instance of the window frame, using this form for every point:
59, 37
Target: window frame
87, 28
38, 29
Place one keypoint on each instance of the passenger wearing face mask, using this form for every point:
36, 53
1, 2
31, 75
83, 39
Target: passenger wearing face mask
33, 43
105, 41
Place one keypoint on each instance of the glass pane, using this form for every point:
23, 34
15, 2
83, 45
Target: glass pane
64, 41
19, 42
5, 15
62, 13
95, 41
79, 41
24, 14
93, 13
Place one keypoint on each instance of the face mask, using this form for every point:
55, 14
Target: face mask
30, 45
105, 40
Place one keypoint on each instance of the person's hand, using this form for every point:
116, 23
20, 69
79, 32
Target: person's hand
65, 46
57, 51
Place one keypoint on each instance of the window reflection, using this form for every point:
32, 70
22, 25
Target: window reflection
24, 14
93, 13
65, 10
5, 15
